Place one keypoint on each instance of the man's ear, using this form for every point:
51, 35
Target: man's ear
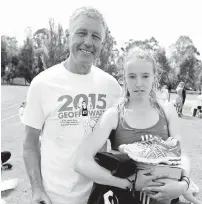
68, 40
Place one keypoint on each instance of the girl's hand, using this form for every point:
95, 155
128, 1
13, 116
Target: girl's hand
146, 178
169, 190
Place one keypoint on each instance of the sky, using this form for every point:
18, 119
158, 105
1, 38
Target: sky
166, 20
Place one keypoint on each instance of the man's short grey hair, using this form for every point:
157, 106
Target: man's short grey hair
90, 12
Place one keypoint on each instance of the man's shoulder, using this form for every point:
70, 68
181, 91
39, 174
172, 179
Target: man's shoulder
102, 74
48, 74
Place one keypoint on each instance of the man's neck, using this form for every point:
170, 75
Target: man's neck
76, 68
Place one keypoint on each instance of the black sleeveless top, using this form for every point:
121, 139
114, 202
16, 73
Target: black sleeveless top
124, 134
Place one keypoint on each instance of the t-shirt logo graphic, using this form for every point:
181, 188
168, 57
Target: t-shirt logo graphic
81, 109
84, 109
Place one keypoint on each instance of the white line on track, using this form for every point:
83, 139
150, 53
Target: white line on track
11, 106
7, 118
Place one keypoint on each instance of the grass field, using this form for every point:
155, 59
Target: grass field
13, 133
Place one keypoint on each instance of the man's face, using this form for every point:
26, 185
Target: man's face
86, 39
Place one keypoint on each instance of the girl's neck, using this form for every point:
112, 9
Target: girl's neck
139, 105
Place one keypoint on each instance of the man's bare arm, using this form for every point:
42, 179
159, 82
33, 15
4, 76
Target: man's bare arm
32, 157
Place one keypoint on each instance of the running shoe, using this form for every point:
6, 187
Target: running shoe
154, 151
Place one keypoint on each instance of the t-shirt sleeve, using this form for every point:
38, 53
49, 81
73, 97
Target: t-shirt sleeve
116, 92
33, 113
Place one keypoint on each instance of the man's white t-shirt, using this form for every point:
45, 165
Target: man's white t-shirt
54, 104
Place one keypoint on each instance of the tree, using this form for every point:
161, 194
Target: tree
108, 55
147, 44
15, 61
167, 75
11, 46
185, 47
199, 76
56, 43
4, 56
40, 37
51, 44
9, 56
61, 45
27, 61
40, 42
187, 71
171, 79
198, 84
183, 58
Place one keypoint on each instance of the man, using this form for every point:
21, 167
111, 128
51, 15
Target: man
52, 111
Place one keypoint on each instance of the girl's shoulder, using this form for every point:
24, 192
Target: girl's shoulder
111, 116
169, 109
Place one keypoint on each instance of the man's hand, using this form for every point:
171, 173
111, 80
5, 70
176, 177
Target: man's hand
170, 189
40, 197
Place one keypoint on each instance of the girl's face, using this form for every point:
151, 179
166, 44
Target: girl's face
139, 77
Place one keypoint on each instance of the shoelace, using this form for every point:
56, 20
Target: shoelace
151, 139
145, 144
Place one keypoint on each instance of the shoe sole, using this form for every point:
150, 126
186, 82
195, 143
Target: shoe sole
166, 160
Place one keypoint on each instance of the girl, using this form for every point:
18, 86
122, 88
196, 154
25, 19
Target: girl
137, 114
